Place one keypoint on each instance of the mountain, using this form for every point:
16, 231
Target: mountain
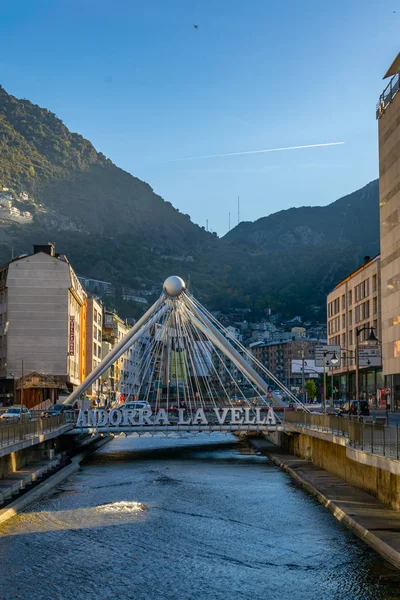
110, 224
353, 219
303, 252
85, 189
54, 186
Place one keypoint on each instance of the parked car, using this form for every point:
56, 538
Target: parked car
351, 408
137, 405
57, 409
14, 414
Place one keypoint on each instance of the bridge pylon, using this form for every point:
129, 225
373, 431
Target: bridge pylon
181, 357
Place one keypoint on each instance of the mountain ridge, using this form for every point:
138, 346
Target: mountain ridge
114, 227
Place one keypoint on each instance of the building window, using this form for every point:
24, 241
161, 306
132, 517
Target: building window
343, 321
351, 338
350, 297
374, 283
374, 305
343, 302
366, 310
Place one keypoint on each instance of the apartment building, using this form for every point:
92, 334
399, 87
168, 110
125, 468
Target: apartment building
388, 115
355, 303
42, 323
94, 324
122, 371
277, 357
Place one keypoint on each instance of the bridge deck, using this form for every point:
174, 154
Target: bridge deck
154, 429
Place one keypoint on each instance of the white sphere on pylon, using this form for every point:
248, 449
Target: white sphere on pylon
174, 285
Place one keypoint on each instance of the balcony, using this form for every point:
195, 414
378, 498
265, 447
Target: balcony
388, 94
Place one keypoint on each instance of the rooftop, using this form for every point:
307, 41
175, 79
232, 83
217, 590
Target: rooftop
366, 264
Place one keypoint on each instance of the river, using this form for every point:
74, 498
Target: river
185, 518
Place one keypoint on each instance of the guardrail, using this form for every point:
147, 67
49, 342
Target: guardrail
388, 94
18, 432
326, 423
368, 436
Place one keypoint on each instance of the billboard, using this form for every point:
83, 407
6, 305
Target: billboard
178, 365
71, 335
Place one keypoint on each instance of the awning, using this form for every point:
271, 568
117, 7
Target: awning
41, 380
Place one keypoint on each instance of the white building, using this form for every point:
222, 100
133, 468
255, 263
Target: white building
42, 318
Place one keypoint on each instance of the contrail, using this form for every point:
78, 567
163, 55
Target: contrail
257, 151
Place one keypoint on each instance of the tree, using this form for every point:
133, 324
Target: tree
311, 389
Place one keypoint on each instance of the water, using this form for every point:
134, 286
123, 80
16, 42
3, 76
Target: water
156, 518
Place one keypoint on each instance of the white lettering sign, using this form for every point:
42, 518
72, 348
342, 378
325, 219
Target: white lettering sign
125, 418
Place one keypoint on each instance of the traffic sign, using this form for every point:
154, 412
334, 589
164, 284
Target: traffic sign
329, 352
309, 367
369, 356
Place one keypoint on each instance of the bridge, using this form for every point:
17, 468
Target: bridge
189, 375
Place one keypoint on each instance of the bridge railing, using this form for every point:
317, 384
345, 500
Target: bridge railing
326, 423
370, 436
17, 432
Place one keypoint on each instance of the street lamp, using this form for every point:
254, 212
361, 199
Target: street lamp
334, 361
371, 339
309, 370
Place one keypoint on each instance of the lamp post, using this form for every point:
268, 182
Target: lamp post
334, 360
303, 377
371, 339
309, 370
347, 355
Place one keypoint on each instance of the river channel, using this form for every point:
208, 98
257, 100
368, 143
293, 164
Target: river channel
185, 518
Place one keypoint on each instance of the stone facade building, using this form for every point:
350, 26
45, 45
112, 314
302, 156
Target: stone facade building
354, 303
388, 115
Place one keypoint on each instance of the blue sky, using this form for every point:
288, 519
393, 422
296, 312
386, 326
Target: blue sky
146, 88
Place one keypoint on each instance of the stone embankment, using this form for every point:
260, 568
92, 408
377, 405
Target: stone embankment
374, 522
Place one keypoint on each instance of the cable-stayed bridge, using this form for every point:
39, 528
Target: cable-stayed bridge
189, 375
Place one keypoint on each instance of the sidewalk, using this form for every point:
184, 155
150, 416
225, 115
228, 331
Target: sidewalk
374, 522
